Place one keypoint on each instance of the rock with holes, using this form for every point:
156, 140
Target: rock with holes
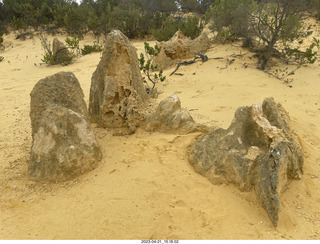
258, 151
170, 117
117, 93
60, 52
63, 142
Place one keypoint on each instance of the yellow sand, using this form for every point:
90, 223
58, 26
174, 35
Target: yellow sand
145, 188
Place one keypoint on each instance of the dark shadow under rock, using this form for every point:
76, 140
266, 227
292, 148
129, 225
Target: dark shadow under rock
257, 151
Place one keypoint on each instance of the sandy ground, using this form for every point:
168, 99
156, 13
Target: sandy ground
144, 187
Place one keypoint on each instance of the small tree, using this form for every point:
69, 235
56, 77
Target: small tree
276, 21
231, 19
147, 67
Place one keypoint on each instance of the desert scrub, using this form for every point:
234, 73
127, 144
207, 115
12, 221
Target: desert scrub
51, 59
190, 27
308, 56
46, 46
231, 19
87, 49
73, 45
148, 68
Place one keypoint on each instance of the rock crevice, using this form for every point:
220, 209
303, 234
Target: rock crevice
258, 151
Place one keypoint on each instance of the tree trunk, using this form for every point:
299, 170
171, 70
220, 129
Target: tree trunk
266, 56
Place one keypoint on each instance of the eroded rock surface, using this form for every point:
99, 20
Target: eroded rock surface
117, 92
258, 151
64, 145
170, 117
60, 52
180, 46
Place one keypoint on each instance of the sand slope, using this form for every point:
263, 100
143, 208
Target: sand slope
145, 187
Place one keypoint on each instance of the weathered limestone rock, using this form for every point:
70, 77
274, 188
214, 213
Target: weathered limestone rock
60, 52
256, 151
162, 61
117, 91
64, 145
170, 117
180, 46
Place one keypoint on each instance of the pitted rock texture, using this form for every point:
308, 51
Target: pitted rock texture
258, 151
64, 145
117, 92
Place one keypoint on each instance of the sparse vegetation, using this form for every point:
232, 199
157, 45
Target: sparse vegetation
302, 57
148, 68
274, 23
87, 49
46, 46
134, 18
52, 59
73, 45
190, 27
231, 18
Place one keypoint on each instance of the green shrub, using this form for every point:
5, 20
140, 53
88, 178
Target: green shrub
74, 21
73, 44
1, 58
48, 58
190, 27
231, 18
87, 49
302, 57
17, 23
168, 29
51, 59
147, 67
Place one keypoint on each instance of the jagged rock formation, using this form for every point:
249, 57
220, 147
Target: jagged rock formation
63, 145
180, 46
117, 92
170, 117
257, 151
162, 61
60, 52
